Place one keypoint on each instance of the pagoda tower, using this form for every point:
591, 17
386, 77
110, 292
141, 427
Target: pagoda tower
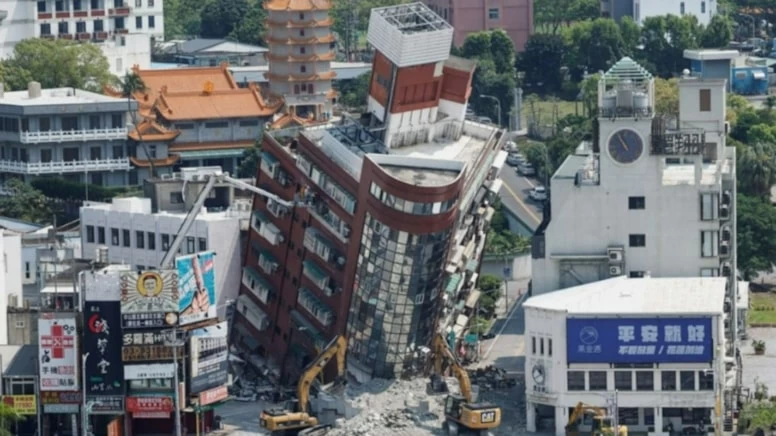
301, 48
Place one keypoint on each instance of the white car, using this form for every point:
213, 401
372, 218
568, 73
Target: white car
538, 193
526, 169
514, 160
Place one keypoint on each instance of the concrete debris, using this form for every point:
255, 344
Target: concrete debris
491, 377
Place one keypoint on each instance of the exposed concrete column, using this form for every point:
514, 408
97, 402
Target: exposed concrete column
560, 421
530, 415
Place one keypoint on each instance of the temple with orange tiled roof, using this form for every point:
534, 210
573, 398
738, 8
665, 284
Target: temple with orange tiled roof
196, 117
301, 48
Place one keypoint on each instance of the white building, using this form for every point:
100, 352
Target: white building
10, 278
649, 196
125, 51
97, 21
639, 10
135, 236
657, 342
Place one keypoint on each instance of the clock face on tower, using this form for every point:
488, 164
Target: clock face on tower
625, 146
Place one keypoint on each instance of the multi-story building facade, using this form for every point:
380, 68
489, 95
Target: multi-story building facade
134, 235
301, 48
652, 195
100, 21
386, 223
195, 117
514, 16
77, 134
639, 10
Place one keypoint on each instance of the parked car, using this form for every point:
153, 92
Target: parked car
538, 193
484, 120
513, 160
510, 147
526, 169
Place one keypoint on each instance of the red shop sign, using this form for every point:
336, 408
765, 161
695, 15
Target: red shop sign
213, 395
149, 404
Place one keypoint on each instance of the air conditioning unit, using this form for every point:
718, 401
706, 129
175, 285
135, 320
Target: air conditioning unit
615, 270
726, 234
727, 198
725, 269
724, 249
346, 231
615, 254
724, 212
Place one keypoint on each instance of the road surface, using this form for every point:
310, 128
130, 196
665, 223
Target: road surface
514, 195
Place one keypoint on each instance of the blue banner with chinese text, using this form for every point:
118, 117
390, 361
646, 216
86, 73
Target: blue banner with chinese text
638, 340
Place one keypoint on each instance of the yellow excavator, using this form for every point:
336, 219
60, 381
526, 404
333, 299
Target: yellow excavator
461, 414
295, 418
602, 424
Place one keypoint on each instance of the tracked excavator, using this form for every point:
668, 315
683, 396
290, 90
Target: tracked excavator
602, 424
462, 416
295, 418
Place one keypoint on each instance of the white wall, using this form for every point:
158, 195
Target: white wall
225, 237
652, 8
10, 278
127, 50
17, 25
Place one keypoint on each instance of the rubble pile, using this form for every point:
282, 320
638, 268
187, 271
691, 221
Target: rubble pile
491, 377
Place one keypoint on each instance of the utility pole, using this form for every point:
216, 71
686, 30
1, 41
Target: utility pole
85, 411
172, 340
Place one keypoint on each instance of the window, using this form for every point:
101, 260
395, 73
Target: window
249, 123
301, 16
100, 235
95, 4
541, 346
637, 240
636, 274
202, 244
118, 151
709, 207
114, 237
27, 272
302, 69
98, 26
493, 14
628, 415
46, 155
90, 234
44, 123
138, 3
77, 5
301, 32
576, 380
19, 324
151, 236
117, 121
709, 272
118, 23
635, 203
42, 6
705, 380
151, 22
687, 380
138, 22
151, 152
119, 64
217, 125
598, 380
62, 27
150, 3
80, 27
703, 7
176, 198
645, 381
69, 123
94, 120
95, 153
125, 238
302, 50
681, 8
165, 242
533, 345
623, 380
59, 5
419, 298
705, 97
709, 243
649, 416
549, 347
190, 244
140, 239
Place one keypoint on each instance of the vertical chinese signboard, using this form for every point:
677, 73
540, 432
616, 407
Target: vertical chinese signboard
149, 300
103, 341
639, 340
209, 358
197, 285
57, 351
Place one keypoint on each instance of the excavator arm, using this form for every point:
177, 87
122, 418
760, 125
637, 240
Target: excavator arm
337, 349
581, 409
443, 353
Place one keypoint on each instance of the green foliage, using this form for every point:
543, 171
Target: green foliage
758, 415
665, 39
8, 415
479, 325
182, 18
666, 96
219, 18
551, 15
541, 61
489, 282
25, 203
719, 33
756, 233
502, 241
494, 75
56, 64
353, 93
59, 188
249, 162
594, 45
250, 29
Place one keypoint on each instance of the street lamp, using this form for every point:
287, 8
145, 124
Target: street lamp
498, 106
174, 340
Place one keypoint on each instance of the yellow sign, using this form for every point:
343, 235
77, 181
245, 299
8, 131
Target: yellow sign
22, 404
140, 353
149, 284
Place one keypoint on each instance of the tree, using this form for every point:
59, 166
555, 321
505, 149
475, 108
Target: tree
182, 18
250, 29
630, 32
489, 282
550, 15
219, 18
132, 84
756, 234
719, 33
541, 61
56, 64
756, 172
353, 93
594, 45
8, 415
495, 72
758, 415
666, 96
665, 39
25, 203
249, 163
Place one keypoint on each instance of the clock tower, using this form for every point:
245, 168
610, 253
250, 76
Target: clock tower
626, 99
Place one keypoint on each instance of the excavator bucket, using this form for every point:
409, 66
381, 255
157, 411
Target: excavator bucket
318, 430
335, 388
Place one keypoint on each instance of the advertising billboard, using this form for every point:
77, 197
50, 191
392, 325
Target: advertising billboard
150, 407
209, 358
22, 404
57, 351
639, 340
197, 287
149, 299
102, 340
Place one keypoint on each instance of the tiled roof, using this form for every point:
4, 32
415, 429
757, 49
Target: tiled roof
198, 105
297, 5
164, 162
289, 120
186, 79
23, 363
195, 146
152, 131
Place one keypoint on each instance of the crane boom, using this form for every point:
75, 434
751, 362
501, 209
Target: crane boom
191, 216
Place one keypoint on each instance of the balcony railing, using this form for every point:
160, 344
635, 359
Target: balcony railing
59, 167
73, 135
625, 112
118, 12
305, 99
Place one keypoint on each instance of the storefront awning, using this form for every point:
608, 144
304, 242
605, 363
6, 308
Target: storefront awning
211, 154
472, 299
